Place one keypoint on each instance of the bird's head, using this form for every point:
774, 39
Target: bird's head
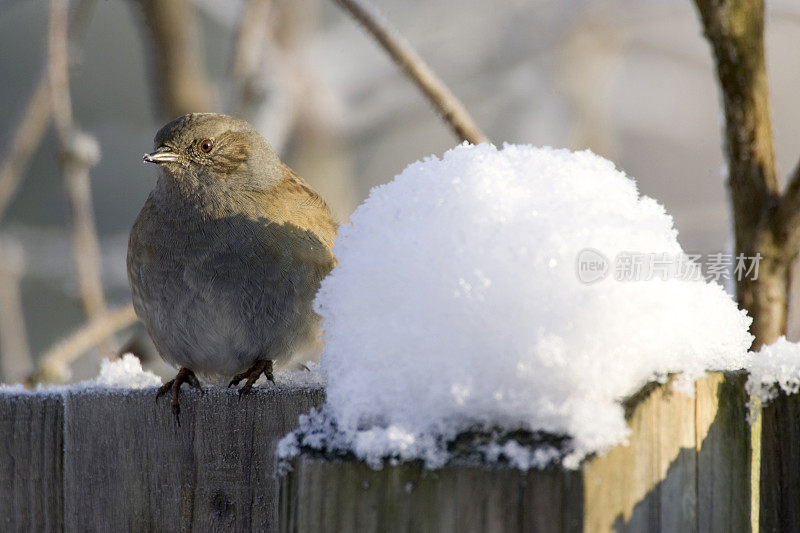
214, 149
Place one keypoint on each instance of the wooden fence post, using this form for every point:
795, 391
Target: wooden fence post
80, 460
780, 464
31, 462
113, 460
686, 468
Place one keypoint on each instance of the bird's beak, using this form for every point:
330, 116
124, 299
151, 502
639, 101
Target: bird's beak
164, 154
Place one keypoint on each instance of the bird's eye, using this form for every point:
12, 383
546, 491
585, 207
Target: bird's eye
206, 145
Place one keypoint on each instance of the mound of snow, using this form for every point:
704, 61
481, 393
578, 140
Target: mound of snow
123, 373
456, 305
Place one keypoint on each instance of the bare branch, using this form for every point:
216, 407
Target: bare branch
79, 152
444, 101
16, 357
178, 60
25, 141
58, 70
786, 220
33, 123
54, 363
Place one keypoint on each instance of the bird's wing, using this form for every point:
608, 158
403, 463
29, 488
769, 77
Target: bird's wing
293, 201
283, 233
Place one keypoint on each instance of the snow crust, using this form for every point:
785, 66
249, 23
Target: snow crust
307, 376
520, 456
123, 373
456, 306
127, 373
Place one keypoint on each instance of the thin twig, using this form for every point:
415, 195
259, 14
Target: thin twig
54, 364
25, 141
33, 122
16, 361
444, 101
787, 215
79, 152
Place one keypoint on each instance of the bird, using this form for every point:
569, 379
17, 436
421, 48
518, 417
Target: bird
227, 254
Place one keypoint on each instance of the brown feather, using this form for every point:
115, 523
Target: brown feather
293, 201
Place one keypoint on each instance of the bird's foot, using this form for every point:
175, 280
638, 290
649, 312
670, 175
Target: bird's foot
262, 366
184, 376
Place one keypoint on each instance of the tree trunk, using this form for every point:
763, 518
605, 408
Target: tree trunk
735, 30
766, 299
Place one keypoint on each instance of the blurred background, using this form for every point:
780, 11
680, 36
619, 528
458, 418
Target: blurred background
631, 80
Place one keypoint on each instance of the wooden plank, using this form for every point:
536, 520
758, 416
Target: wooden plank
780, 464
345, 496
129, 467
723, 454
685, 468
676, 462
31, 426
648, 485
552, 500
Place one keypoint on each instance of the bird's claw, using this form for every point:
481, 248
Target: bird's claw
174, 385
163, 389
194, 383
262, 366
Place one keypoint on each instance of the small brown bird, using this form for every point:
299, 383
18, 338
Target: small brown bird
227, 254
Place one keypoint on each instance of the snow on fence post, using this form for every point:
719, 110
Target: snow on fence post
686, 468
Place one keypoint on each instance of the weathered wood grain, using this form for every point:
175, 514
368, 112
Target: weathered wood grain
128, 467
31, 428
780, 464
321, 495
686, 468
723, 452
628, 488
